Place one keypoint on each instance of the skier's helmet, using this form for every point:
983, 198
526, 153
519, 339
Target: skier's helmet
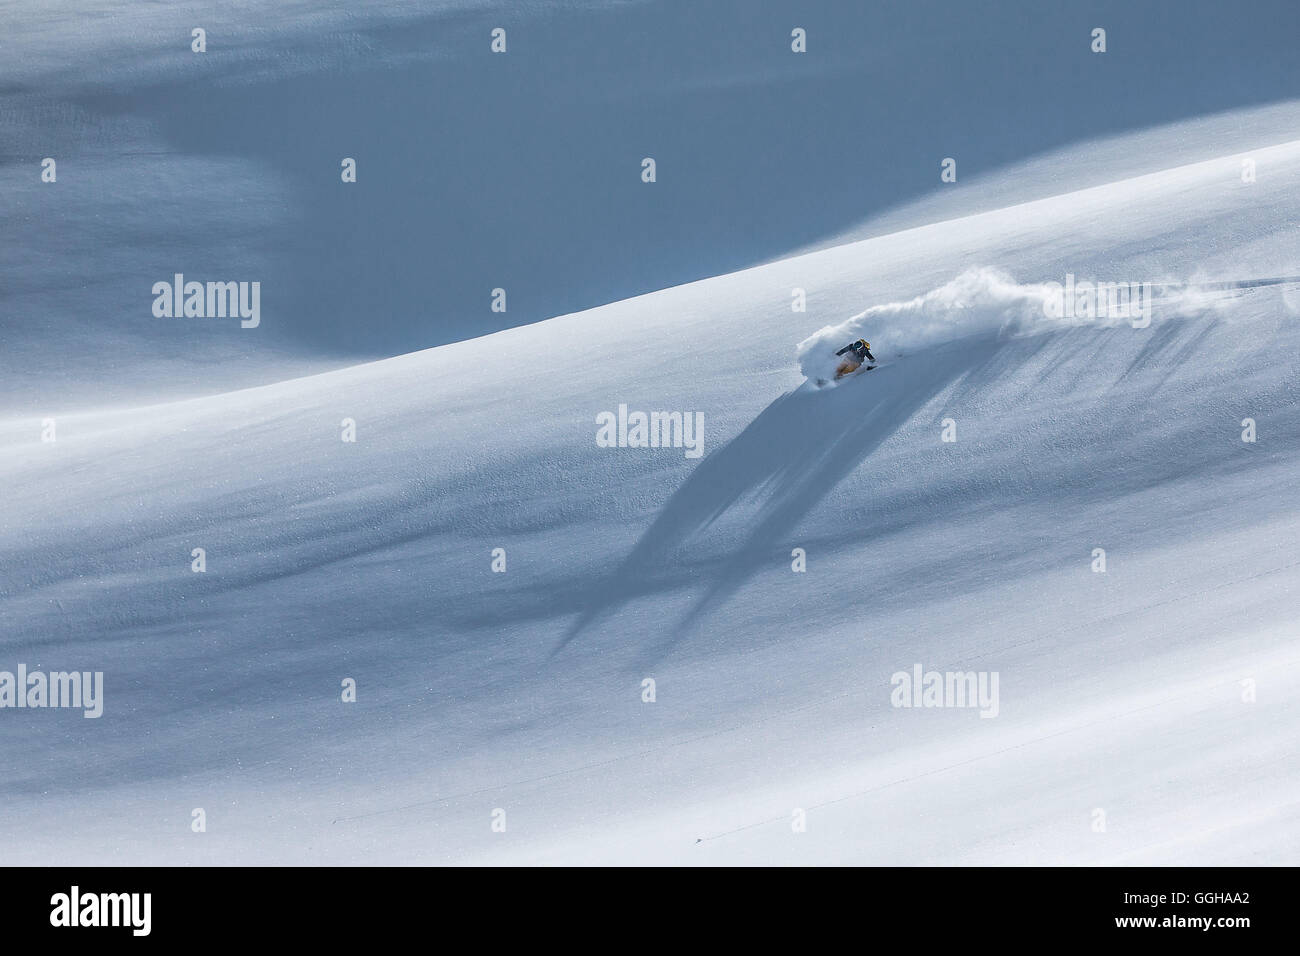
864, 343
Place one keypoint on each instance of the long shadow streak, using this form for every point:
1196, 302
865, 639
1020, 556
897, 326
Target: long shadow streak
792, 456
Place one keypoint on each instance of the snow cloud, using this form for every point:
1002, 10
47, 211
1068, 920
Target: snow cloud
988, 301
978, 300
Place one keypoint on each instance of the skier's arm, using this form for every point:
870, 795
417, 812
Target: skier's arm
843, 350
870, 357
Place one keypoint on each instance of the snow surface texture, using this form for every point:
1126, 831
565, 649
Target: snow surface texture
1161, 697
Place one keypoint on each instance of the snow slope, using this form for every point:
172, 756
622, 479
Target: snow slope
522, 171
1120, 692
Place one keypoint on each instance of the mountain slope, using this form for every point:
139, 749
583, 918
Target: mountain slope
522, 170
522, 690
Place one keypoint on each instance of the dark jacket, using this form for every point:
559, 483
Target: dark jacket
861, 352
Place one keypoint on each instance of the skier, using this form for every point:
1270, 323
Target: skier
859, 352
